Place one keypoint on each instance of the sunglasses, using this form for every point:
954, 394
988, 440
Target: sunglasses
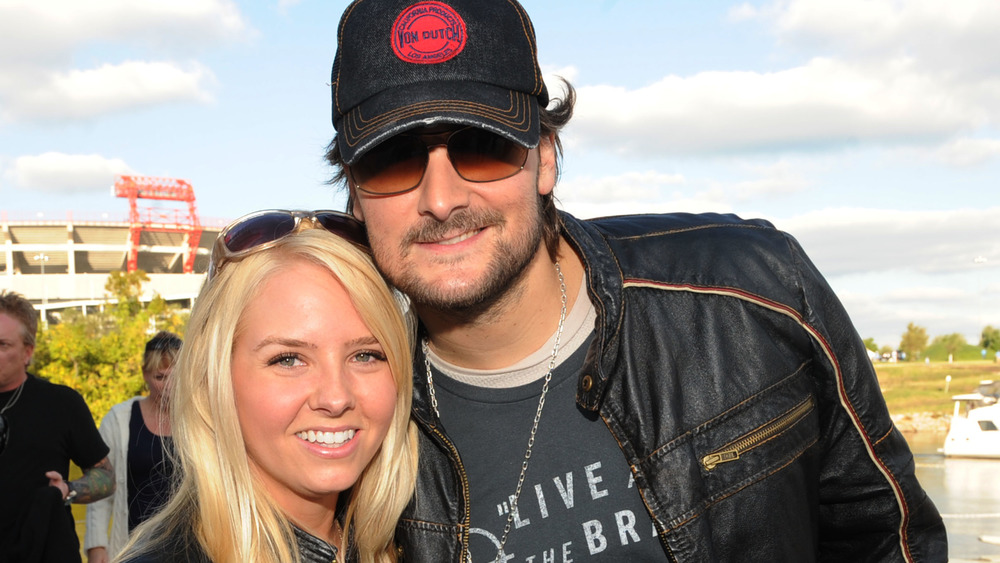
397, 165
263, 229
4, 432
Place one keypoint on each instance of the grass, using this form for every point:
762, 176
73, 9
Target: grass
969, 352
918, 387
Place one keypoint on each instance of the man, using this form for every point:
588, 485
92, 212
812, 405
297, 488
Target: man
648, 388
45, 426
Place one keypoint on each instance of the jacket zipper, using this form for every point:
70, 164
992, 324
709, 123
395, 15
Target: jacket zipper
434, 428
733, 450
652, 514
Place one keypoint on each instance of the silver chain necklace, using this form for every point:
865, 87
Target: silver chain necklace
13, 398
534, 425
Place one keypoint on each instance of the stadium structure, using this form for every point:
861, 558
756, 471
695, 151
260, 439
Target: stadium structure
60, 264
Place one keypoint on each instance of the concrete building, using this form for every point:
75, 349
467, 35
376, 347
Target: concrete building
59, 264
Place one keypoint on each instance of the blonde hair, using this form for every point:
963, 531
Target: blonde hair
217, 499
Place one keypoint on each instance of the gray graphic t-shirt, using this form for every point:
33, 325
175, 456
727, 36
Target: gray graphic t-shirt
578, 502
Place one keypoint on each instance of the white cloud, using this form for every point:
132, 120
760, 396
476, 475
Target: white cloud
882, 304
854, 240
65, 173
886, 72
552, 74
47, 70
32, 30
823, 103
968, 152
84, 93
768, 181
632, 192
680, 204
635, 186
924, 293
955, 36
657, 192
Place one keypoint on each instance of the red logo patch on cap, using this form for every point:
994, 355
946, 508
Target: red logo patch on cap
428, 33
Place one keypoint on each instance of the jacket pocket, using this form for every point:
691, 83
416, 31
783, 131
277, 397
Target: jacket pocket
759, 440
772, 428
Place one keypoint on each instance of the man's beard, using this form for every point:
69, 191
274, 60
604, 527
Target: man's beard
501, 281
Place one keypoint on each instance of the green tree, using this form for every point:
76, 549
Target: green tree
951, 343
100, 355
914, 341
126, 289
870, 344
990, 339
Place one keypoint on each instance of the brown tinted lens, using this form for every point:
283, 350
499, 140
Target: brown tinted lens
397, 165
481, 156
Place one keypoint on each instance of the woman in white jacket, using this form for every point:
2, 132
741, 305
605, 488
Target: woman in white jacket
137, 431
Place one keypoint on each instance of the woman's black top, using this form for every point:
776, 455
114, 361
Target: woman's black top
149, 470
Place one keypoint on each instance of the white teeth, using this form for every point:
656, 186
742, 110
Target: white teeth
459, 238
327, 438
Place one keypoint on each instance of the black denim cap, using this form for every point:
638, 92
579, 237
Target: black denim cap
402, 64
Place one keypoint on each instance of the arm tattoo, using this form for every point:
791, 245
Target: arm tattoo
97, 482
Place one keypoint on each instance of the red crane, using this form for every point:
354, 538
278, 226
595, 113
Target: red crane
159, 220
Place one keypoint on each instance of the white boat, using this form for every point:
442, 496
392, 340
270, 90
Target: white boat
975, 425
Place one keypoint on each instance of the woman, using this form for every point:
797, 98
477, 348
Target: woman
290, 407
137, 431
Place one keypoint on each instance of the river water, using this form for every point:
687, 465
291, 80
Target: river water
965, 491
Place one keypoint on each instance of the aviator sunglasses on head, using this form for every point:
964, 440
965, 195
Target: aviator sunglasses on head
398, 164
262, 229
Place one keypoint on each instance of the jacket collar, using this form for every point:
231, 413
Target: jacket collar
604, 288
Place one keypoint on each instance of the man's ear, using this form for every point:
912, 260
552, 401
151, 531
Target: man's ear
547, 164
29, 352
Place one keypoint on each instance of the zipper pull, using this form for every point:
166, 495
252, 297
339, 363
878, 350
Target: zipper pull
711, 460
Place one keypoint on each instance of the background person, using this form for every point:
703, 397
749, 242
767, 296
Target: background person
138, 432
46, 427
290, 403
646, 388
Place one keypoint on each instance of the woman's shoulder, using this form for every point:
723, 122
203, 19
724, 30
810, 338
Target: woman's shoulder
120, 411
168, 556
125, 407
178, 548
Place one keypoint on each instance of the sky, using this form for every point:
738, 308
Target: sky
868, 129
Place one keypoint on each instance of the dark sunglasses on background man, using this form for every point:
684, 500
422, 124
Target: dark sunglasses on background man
261, 230
398, 164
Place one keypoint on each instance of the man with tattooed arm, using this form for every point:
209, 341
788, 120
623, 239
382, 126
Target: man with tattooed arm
43, 427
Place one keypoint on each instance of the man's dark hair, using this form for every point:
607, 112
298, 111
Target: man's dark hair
551, 119
15, 305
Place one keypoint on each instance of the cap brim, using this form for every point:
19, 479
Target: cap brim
511, 114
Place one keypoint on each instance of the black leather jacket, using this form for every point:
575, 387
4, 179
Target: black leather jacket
741, 396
